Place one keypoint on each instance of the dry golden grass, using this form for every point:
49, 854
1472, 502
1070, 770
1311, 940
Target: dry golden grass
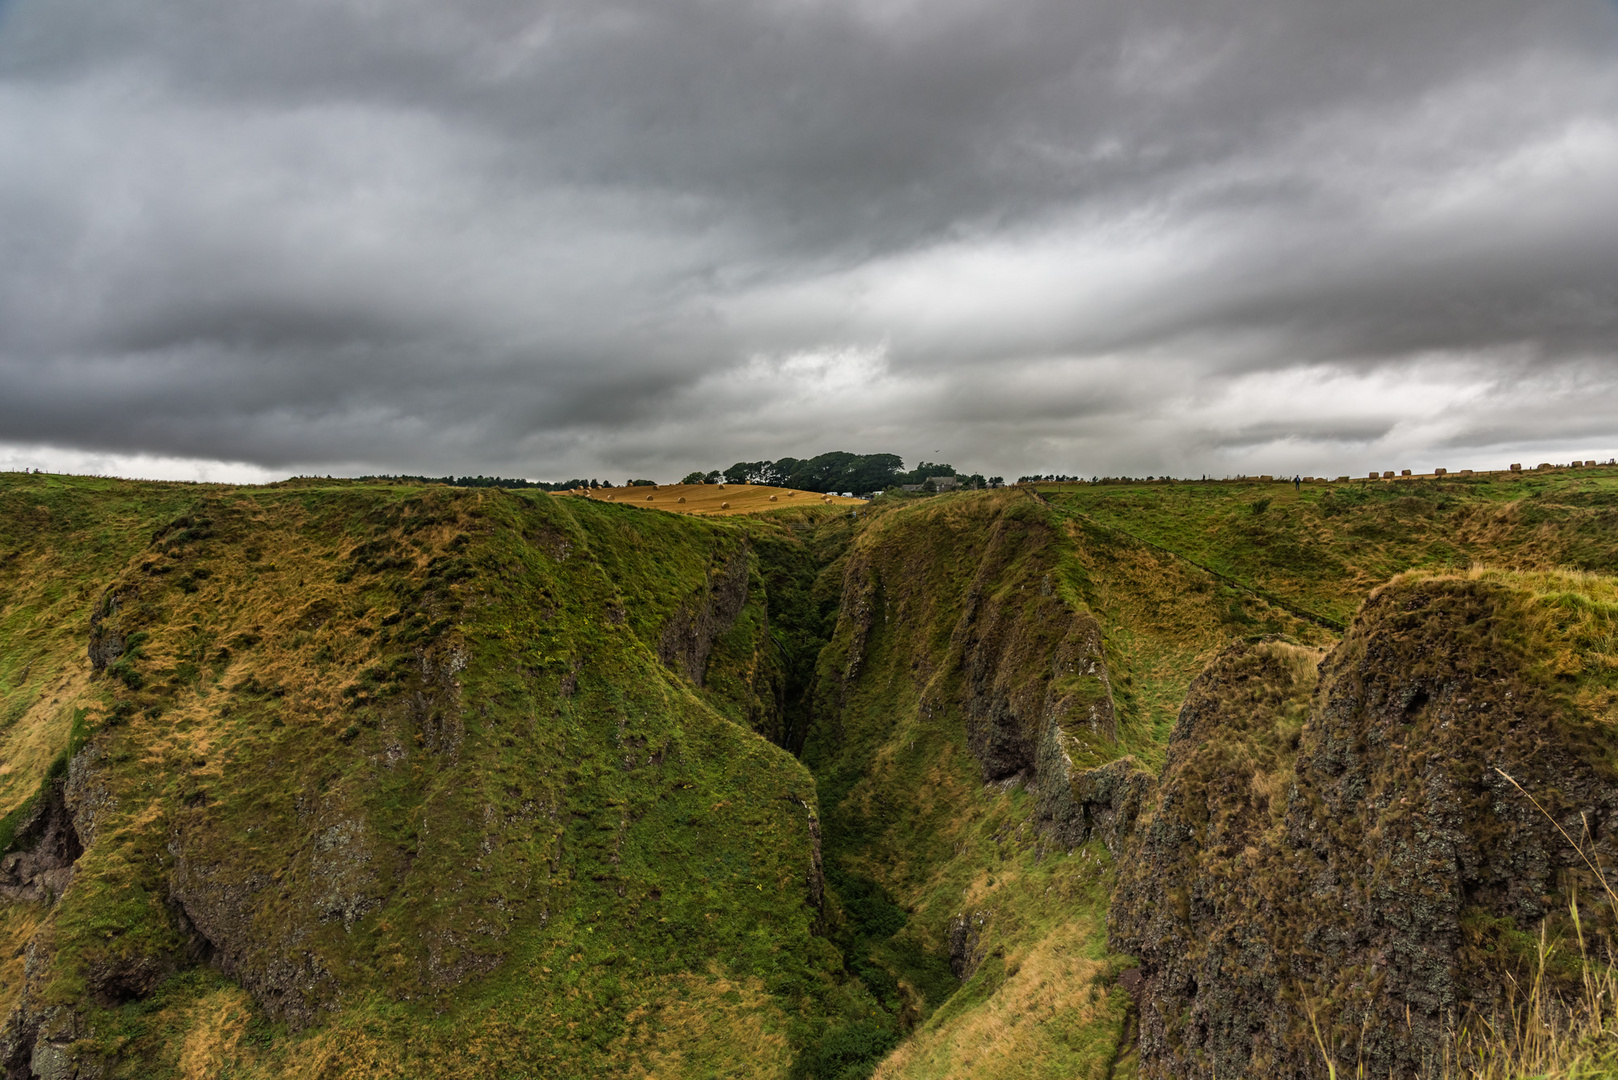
17, 924
1541, 1035
1538, 1034
38, 735
716, 500
214, 1034
1572, 615
343, 1052
706, 1027
1051, 988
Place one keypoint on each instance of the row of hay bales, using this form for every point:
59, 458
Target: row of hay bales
709, 500
1436, 474
1388, 474
1374, 474
1407, 474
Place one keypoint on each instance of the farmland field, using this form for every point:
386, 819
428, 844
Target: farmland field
717, 500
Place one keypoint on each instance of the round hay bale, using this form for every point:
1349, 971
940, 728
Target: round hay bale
724, 506
791, 493
721, 487
680, 499
648, 498
772, 498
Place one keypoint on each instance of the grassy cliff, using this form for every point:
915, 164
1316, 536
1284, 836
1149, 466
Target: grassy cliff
329, 779
374, 780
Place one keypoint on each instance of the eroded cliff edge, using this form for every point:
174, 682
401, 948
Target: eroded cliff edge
449, 782
1343, 841
422, 780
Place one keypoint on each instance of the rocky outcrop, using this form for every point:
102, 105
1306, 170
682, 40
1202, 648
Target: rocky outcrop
1101, 804
245, 925
36, 1038
1035, 693
106, 643
1352, 850
965, 933
435, 697
1031, 665
44, 849
86, 795
689, 635
1024, 670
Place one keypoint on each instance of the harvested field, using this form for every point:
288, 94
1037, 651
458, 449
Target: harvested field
714, 500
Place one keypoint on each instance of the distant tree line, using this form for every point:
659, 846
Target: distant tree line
835, 471
1062, 478
499, 482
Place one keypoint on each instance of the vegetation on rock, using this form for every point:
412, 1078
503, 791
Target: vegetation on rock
340, 779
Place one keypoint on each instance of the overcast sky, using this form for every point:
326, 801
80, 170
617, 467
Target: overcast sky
244, 240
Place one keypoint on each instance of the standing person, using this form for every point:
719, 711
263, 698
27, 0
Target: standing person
1297, 483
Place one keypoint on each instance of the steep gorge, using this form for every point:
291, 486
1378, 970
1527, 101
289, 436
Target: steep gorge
362, 780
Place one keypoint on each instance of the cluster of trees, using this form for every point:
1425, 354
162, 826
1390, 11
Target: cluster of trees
835, 471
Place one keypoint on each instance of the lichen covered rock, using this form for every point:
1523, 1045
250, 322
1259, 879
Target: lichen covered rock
1348, 846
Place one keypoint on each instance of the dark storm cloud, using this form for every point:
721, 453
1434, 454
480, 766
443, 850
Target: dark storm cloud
602, 237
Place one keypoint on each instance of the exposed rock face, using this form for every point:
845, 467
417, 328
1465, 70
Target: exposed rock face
35, 1038
1101, 804
689, 636
85, 794
106, 644
435, 703
1030, 664
1023, 669
46, 846
965, 955
1035, 692
1369, 864
815, 874
282, 971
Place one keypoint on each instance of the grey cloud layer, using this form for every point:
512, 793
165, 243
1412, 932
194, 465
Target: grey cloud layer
597, 237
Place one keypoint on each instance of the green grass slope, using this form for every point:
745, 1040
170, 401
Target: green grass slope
1180, 568
1325, 547
377, 780
954, 648
407, 767
61, 540
940, 853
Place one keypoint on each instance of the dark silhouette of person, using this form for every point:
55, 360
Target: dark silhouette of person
1297, 483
